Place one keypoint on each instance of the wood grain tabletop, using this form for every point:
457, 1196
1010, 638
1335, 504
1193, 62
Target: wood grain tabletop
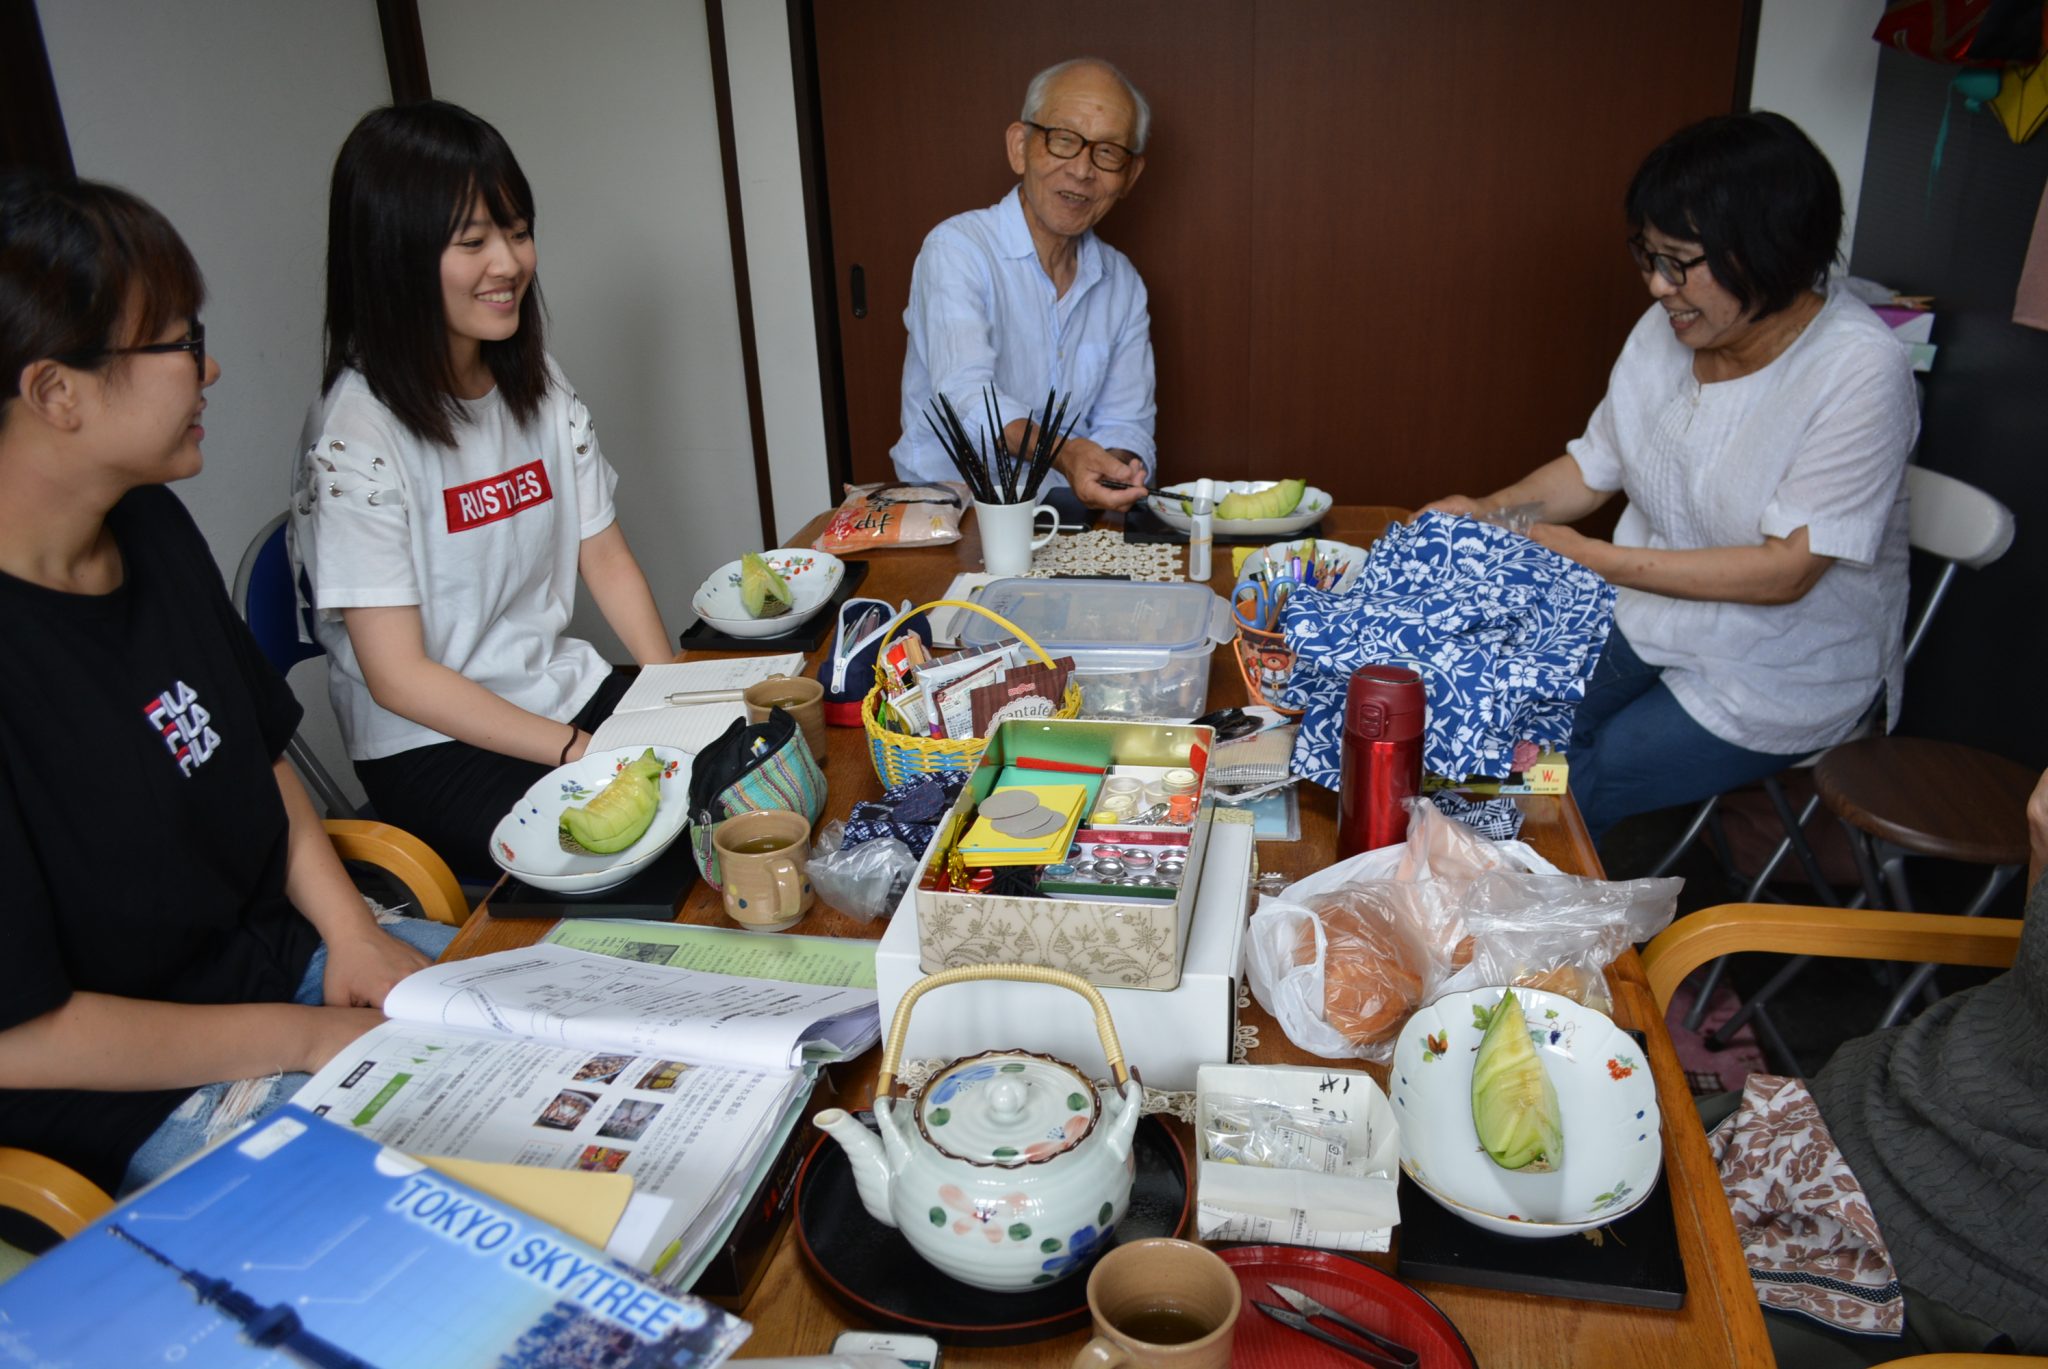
793, 1314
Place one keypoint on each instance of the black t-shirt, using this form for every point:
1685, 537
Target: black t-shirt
142, 837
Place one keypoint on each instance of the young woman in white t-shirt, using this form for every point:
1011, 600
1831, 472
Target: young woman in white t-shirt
450, 491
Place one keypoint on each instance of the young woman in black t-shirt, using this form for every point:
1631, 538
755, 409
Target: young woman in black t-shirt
175, 914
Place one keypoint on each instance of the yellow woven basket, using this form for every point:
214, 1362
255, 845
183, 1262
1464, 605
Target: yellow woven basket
898, 756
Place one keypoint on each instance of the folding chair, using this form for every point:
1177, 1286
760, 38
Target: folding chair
1961, 526
269, 603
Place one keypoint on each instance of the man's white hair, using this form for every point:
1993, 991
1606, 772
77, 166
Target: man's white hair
1034, 95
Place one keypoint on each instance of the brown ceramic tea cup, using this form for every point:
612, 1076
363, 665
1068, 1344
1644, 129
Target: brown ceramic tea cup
761, 856
800, 696
1161, 1304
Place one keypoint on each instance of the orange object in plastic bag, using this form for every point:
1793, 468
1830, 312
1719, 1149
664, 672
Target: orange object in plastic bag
1373, 971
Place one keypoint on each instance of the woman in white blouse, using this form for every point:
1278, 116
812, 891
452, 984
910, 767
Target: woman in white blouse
1758, 420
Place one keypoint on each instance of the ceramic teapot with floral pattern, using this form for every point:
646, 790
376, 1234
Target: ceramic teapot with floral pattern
1008, 1169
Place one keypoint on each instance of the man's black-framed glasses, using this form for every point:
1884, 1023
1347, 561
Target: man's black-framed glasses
193, 342
1672, 268
1066, 144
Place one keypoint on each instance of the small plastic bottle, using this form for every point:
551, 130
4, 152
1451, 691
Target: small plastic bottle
1201, 536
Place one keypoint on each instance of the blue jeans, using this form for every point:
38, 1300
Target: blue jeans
1635, 748
201, 1118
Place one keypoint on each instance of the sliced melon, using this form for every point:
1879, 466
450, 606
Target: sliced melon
1277, 501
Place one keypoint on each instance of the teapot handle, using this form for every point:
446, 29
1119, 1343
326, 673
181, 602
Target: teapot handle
899, 1026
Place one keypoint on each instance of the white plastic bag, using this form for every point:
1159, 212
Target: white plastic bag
1466, 913
864, 882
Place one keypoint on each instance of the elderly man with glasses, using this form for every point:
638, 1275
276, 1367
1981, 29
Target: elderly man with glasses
1023, 296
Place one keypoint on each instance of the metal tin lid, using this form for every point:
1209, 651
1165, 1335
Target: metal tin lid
1007, 1108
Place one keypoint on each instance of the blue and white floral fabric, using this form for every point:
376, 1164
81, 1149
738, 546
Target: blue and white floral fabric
1504, 632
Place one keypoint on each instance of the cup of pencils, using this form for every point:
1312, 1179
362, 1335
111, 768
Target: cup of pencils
1005, 480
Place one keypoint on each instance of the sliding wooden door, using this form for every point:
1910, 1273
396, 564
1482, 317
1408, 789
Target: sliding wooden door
1383, 242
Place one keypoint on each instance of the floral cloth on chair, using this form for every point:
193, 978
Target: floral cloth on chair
1808, 1233
1504, 632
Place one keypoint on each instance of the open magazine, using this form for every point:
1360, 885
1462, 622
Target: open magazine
296, 1242
571, 1059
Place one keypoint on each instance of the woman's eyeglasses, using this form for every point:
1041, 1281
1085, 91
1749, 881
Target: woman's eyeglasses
1664, 264
193, 342
1066, 144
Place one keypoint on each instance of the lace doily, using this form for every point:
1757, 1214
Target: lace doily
1103, 551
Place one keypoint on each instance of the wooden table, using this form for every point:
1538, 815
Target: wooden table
1719, 1324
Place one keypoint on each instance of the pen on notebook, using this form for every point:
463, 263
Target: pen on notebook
704, 696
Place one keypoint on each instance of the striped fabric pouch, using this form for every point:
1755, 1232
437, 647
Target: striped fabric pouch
752, 766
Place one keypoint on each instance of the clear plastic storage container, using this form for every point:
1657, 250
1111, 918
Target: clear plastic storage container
1141, 649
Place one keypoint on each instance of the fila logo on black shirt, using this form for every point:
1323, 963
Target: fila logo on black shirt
182, 720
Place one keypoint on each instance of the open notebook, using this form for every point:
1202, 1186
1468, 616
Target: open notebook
688, 705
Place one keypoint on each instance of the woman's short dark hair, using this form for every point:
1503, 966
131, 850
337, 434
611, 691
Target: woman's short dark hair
75, 256
403, 184
1757, 196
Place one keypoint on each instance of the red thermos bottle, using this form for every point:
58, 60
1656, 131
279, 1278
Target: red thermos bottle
1383, 714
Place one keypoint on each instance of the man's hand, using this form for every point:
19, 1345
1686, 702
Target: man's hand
362, 969
1086, 465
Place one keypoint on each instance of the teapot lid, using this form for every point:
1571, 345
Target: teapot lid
1007, 1108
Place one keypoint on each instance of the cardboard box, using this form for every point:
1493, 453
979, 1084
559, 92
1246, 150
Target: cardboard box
1353, 1205
1134, 942
1165, 1034
1549, 774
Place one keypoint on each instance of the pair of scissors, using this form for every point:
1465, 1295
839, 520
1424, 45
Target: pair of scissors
1257, 602
1378, 1351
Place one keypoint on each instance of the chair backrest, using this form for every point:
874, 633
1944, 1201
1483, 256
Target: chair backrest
1957, 522
268, 601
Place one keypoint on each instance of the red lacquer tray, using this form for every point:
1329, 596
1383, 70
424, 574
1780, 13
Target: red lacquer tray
1358, 1291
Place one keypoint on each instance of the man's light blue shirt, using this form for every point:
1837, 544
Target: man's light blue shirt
982, 310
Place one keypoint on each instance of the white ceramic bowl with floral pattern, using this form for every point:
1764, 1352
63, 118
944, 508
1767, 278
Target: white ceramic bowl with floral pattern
1347, 559
1314, 504
812, 577
1613, 1146
527, 841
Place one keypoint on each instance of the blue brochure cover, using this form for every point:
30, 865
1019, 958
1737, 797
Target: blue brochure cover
300, 1242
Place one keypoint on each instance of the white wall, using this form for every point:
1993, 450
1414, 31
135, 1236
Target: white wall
1816, 64
226, 116
610, 112
778, 259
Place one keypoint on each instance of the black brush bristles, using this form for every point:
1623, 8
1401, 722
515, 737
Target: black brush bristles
996, 472
957, 446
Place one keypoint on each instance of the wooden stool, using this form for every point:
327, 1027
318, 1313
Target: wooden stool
1910, 796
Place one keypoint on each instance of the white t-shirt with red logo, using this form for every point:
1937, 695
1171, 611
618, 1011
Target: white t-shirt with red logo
482, 537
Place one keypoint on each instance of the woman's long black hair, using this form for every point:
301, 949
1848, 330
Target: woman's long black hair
404, 182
